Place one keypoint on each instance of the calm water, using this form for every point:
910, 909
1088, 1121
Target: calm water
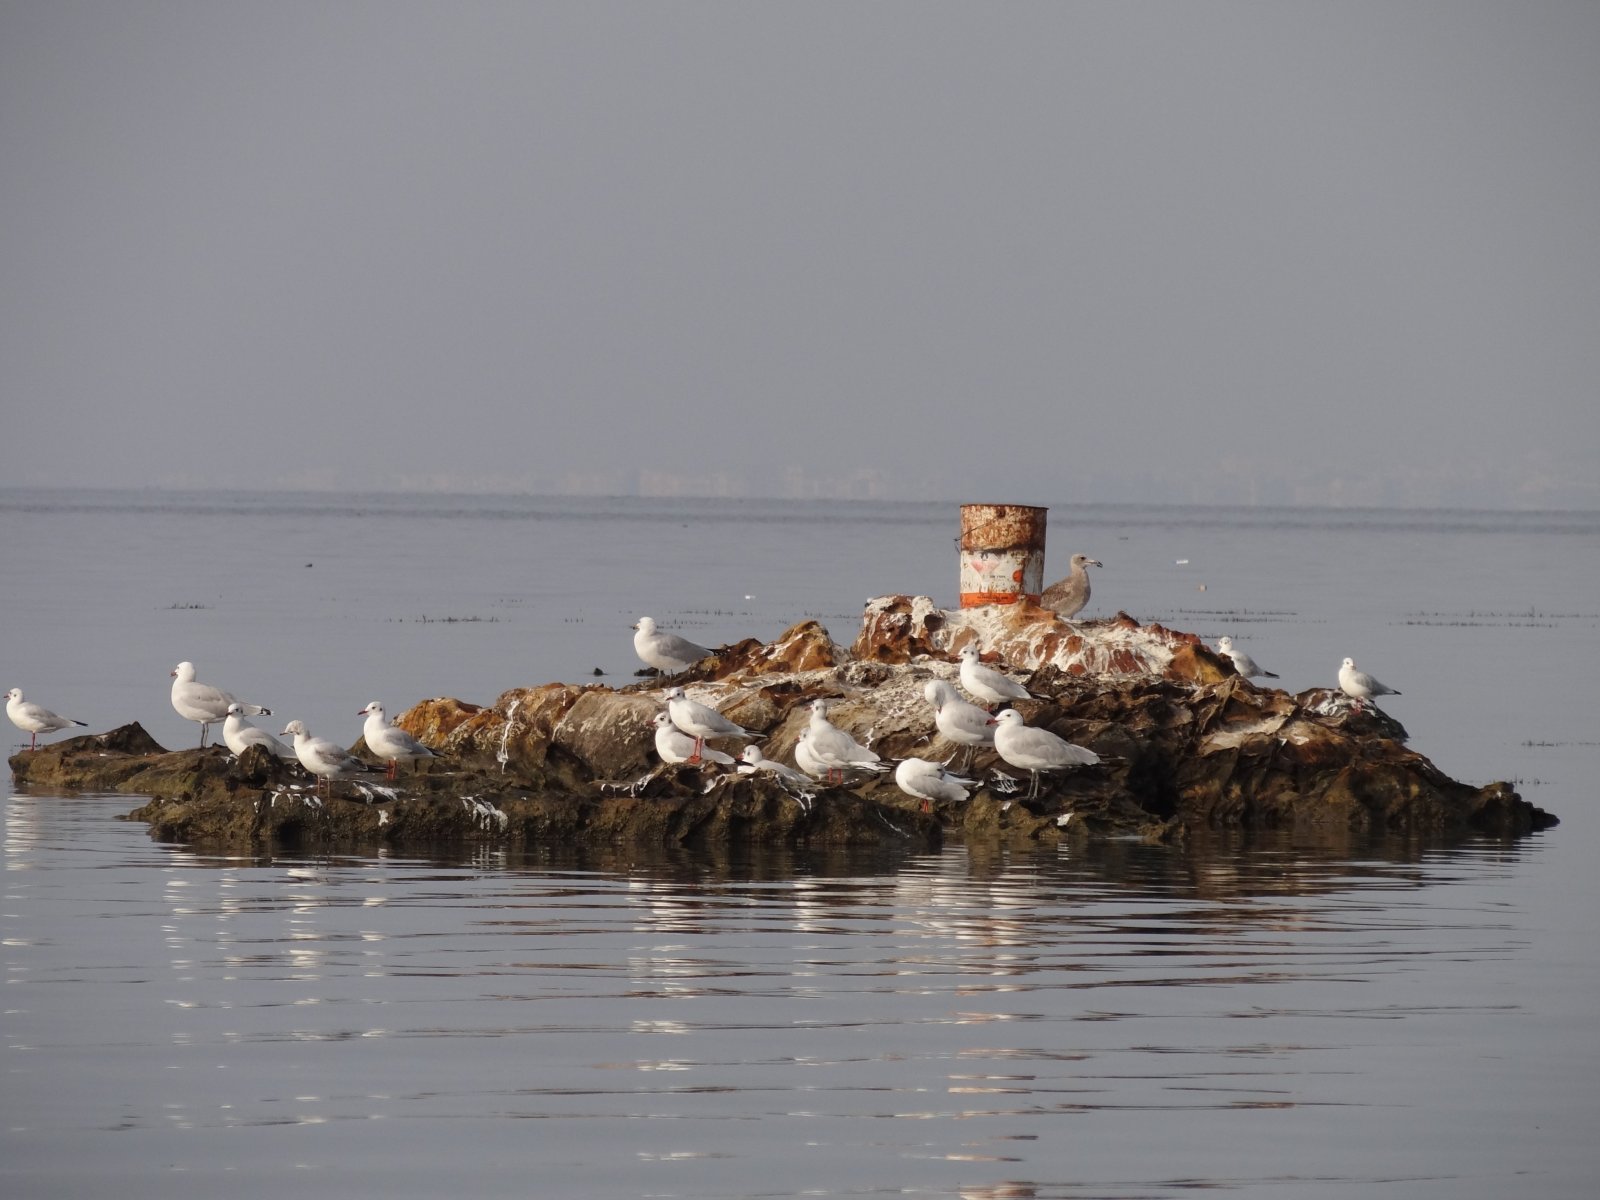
1265, 1020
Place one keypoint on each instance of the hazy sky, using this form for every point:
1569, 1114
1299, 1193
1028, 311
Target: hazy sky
1026, 252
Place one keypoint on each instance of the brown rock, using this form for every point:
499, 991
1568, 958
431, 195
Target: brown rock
1186, 746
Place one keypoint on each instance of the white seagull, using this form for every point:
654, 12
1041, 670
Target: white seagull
753, 760
965, 724
1036, 750
34, 719
835, 749
1359, 686
807, 761
666, 652
390, 742
324, 759
675, 746
239, 735
700, 721
203, 703
925, 780
1242, 662
985, 683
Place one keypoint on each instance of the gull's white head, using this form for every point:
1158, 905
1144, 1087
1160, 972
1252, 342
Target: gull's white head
296, 729
673, 693
661, 720
373, 708
1083, 560
969, 653
15, 694
235, 709
1009, 717
645, 625
751, 754
184, 672
1225, 644
1349, 664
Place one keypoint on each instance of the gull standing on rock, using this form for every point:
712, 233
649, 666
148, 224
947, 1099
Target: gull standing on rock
666, 652
1067, 597
753, 760
676, 747
1360, 686
1036, 750
700, 721
34, 719
986, 683
806, 759
203, 703
239, 735
1242, 662
965, 724
835, 749
924, 780
389, 741
324, 759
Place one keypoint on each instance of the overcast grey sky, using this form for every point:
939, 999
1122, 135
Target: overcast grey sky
1026, 252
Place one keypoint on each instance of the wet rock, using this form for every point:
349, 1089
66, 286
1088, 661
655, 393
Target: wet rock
1187, 746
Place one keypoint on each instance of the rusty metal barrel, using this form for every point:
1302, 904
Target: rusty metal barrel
1002, 553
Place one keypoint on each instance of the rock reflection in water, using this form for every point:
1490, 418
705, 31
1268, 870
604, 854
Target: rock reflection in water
1119, 1020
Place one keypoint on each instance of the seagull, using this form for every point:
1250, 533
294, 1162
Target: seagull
835, 749
924, 780
1066, 597
1242, 662
34, 719
965, 724
754, 760
1036, 750
700, 721
239, 735
390, 741
1359, 686
807, 761
203, 703
986, 683
666, 652
675, 746
324, 759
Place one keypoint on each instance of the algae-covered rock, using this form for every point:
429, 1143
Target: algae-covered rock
1186, 746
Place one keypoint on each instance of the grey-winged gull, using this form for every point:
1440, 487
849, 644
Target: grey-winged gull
958, 721
203, 703
389, 742
324, 759
34, 719
666, 652
985, 683
1359, 686
239, 735
753, 760
835, 749
925, 780
807, 761
1242, 662
700, 721
1036, 750
677, 747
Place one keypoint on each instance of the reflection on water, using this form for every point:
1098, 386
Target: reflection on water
983, 1023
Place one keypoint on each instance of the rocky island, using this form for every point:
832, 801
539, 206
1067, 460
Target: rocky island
1185, 745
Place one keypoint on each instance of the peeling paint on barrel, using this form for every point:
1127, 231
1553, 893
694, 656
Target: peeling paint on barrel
1002, 553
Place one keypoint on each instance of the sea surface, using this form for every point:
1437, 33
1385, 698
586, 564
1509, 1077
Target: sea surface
1254, 1017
